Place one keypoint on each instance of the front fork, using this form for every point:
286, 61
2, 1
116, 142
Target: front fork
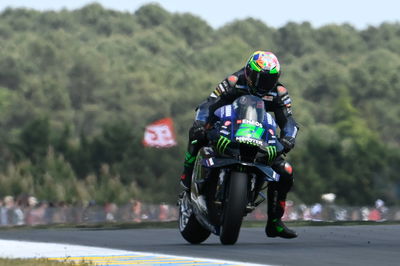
255, 195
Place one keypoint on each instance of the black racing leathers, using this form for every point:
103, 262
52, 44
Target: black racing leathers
277, 101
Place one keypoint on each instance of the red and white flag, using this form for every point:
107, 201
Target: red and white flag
160, 134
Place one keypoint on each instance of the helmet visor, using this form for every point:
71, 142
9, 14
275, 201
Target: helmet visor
261, 82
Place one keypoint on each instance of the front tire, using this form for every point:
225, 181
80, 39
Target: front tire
190, 229
234, 208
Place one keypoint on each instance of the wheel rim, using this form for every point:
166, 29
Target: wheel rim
184, 213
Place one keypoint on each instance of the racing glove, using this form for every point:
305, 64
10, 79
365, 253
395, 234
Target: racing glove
288, 143
198, 131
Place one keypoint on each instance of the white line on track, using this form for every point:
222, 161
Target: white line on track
24, 249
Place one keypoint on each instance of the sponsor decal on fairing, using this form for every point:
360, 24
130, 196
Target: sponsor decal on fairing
249, 141
251, 122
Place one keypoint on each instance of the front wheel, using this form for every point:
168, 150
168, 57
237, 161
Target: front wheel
234, 208
190, 229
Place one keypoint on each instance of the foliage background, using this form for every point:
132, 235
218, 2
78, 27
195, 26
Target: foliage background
78, 87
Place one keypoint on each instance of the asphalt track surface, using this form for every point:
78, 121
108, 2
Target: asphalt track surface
316, 245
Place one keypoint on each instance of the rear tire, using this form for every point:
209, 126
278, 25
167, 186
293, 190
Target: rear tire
234, 208
190, 229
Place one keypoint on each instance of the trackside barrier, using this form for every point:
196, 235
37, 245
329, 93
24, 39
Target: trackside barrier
42, 213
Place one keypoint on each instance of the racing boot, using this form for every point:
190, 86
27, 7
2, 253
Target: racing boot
275, 227
186, 177
185, 181
196, 140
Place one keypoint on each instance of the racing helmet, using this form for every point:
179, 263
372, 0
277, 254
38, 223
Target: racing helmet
262, 72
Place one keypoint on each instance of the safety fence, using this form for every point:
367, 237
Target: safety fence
42, 213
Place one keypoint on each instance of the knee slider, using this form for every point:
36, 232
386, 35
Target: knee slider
287, 179
286, 169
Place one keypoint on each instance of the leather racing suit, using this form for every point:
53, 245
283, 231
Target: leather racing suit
277, 101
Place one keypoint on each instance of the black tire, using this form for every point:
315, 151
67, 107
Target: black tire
234, 208
190, 229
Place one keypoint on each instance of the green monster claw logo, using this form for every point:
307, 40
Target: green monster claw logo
271, 151
222, 143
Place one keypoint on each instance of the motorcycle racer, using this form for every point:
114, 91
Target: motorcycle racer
258, 77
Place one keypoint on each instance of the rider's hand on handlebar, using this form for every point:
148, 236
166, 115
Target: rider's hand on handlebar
288, 143
198, 131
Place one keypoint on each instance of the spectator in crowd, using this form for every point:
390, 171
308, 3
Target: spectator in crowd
364, 213
8, 209
163, 214
355, 214
60, 213
136, 211
374, 215
3, 213
93, 213
316, 212
328, 205
379, 212
32, 202
19, 213
27, 210
38, 213
381, 207
110, 210
306, 212
290, 213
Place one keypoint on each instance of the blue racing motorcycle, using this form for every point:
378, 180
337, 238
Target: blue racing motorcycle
230, 172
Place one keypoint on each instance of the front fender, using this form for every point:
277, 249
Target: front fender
267, 171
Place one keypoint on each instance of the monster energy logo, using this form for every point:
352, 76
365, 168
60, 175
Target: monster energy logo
271, 151
222, 143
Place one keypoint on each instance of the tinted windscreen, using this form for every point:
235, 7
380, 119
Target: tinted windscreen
249, 107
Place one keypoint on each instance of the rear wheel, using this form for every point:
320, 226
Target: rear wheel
190, 229
234, 208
